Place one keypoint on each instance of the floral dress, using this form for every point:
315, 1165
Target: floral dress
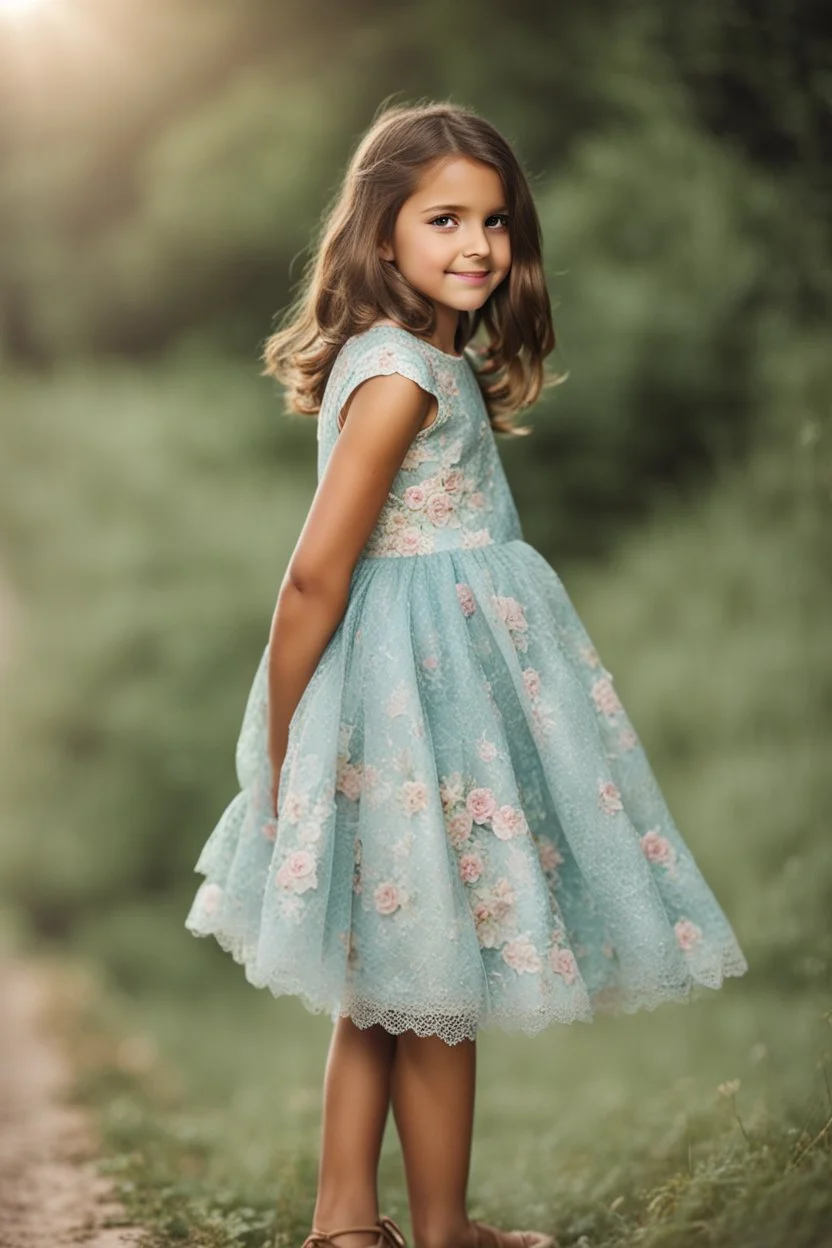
468, 831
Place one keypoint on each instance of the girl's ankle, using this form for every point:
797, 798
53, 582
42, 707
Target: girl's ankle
456, 1234
338, 1215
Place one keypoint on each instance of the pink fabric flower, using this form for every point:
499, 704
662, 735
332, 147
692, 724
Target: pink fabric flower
388, 898
430, 662
439, 508
488, 927
451, 790
521, 955
687, 933
657, 848
411, 541
293, 807
542, 721
298, 872
501, 898
459, 828
491, 913
416, 455
415, 497
414, 795
470, 868
531, 679
508, 821
446, 382
605, 697
562, 962
550, 859
269, 829
454, 481
348, 781
481, 804
511, 612
627, 739
408, 540
466, 598
477, 500
609, 797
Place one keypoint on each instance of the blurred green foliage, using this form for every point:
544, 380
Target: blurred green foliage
163, 168
160, 178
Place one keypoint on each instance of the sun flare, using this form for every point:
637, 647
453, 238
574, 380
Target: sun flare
18, 6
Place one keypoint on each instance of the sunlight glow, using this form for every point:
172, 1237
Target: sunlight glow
18, 6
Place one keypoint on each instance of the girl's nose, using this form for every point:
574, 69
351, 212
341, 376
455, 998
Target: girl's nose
477, 242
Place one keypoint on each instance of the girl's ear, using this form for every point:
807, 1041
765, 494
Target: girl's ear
385, 251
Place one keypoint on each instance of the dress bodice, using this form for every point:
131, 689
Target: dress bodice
451, 491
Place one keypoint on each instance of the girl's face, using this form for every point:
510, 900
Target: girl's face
451, 238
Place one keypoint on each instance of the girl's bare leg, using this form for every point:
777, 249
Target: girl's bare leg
432, 1090
433, 1103
356, 1100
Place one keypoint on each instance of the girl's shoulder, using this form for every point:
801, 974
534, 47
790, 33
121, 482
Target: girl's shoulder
387, 348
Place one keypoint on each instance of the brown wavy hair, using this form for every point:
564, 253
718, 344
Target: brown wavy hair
347, 287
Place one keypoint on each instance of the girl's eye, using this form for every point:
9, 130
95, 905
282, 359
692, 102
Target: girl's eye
500, 217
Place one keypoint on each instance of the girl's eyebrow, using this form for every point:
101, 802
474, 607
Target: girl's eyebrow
459, 208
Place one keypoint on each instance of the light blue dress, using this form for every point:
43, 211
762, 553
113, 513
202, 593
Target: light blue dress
469, 832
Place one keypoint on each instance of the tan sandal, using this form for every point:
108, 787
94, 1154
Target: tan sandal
492, 1238
389, 1235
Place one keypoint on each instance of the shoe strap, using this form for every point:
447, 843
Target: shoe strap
391, 1234
323, 1239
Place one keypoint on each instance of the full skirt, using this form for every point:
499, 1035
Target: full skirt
469, 832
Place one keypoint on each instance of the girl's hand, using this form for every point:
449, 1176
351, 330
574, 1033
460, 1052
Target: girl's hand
276, 756
275, 784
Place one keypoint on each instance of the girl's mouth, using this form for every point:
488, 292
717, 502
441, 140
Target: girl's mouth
474, 278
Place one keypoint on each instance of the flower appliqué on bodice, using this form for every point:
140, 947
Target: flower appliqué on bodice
450, 491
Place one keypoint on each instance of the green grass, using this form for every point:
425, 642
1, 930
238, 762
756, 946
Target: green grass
615, 1132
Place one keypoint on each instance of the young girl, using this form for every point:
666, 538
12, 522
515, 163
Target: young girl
445, 819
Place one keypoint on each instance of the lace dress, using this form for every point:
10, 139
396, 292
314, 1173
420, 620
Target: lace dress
469, 832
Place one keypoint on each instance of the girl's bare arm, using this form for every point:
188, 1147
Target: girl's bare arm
385, 414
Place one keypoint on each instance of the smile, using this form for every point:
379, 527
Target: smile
474, 278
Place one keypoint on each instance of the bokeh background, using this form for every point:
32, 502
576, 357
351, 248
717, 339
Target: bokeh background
163, 168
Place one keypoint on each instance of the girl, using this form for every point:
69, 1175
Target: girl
445, 818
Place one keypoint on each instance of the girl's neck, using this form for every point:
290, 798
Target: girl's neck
443, 338
444, 332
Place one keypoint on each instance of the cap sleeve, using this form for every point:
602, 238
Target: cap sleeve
378, 353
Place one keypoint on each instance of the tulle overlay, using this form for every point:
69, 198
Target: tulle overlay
468, 832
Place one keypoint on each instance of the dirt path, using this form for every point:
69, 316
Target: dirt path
50, 1194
